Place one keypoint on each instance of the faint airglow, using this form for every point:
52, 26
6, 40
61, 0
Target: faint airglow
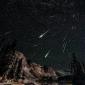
6, 33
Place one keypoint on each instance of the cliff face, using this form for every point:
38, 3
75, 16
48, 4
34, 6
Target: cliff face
33, 70
19, 68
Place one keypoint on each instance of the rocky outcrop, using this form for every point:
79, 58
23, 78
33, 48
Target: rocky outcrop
28, 72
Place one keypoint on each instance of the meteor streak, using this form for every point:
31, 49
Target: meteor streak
43, 34
47, 53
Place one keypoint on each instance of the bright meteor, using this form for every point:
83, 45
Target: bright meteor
43, 34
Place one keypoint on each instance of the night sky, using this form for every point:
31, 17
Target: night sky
47, 31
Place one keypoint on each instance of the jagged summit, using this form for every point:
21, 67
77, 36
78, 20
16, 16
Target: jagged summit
19, 68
